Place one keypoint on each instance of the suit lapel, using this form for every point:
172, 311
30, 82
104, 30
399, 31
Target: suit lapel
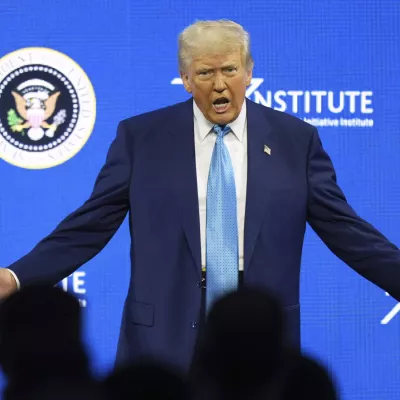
185, 180
260, 175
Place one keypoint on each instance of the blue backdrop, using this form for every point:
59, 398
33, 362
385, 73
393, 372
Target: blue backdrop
335, 63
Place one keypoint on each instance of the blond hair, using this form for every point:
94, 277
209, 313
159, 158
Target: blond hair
221, 36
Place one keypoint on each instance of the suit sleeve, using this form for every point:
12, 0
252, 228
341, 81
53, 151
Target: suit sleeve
85, 232
348, 236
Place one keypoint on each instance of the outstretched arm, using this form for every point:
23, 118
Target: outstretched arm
86, 231
348, 236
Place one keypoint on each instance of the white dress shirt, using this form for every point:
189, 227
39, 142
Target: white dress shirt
204, 141
236, 142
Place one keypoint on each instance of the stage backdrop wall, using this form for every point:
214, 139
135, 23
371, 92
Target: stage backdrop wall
336, 64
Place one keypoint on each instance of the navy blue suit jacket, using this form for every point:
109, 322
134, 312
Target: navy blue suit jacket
150, 173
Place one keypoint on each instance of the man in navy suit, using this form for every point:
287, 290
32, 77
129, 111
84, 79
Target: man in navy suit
276, 177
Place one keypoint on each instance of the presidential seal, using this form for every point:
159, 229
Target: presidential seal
47, 108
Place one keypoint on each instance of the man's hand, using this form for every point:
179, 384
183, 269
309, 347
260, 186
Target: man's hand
8, 285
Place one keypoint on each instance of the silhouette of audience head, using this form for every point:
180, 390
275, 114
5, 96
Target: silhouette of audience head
307, 379
40, 337
59, 390
145, 380
242, 346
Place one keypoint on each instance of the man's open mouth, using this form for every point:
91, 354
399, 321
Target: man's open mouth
221, 104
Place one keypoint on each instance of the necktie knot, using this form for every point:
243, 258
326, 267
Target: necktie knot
221, 130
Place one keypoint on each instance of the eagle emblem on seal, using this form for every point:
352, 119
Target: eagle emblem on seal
35, 103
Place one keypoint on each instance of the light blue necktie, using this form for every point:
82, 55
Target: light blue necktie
222, 255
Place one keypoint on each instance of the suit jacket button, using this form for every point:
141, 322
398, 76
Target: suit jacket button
194, 324
199, 284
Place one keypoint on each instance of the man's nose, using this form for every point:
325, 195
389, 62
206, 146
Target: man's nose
219, 83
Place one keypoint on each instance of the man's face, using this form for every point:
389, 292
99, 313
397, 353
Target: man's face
218, 85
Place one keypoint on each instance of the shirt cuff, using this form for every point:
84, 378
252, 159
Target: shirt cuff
16, 278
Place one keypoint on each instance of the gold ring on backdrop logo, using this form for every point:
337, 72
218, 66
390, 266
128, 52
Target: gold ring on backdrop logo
47, 108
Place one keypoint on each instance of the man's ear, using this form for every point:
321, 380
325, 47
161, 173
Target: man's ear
186, 82
249, 77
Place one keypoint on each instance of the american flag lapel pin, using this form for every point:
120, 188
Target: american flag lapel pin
267, 150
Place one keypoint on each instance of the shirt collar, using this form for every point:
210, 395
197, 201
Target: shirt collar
205, 126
